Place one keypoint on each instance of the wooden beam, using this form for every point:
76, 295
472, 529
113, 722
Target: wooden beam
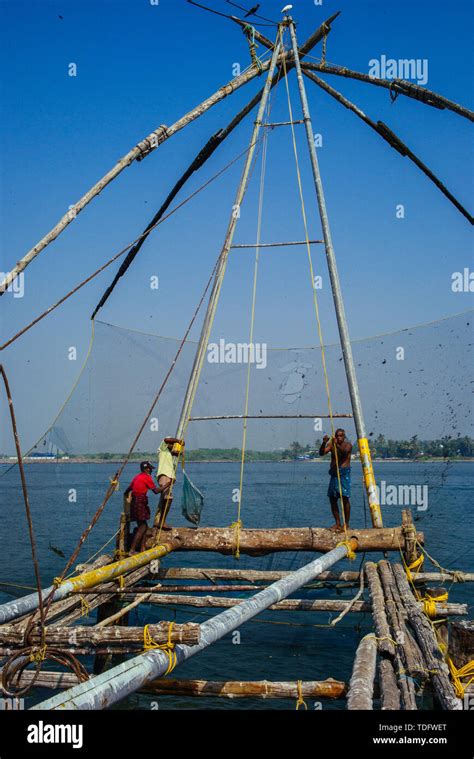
96, 636
292, 604
262, 542
361, 686
399, 86
439, 673
258, 575
393, 140
206, 688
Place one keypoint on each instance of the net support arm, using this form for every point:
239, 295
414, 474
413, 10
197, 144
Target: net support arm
365, 457
395, 87
393, 140
224, 255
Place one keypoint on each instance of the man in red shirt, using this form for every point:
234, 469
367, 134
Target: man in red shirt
139, 510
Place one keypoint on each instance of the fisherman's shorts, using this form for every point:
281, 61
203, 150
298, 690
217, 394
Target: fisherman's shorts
333, 489
139, 510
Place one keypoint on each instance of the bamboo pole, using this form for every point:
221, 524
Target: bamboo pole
398, 86
147, 146
361, 686
292, 604
260, 575
260, 542
26, 604
364, 448
128, 677
224, 255
391, 138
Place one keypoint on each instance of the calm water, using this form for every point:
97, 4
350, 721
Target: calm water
279, 645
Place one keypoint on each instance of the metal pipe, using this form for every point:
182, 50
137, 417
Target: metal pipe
220, 271
364, 449
106, 689
26, 604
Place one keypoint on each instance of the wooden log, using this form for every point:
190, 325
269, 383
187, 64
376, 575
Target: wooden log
461, 642
292, 604
399, 86
262, 542
108, 636
384, 644
361, 685
392, 139
389, 693
410, 552
226, 689
257, 575
408, 658
250, 689
425, 635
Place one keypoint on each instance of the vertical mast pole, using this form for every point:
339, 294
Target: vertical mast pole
365, 457
221, 266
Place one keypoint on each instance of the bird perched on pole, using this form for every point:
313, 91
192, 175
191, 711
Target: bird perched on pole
252, 11
287, 9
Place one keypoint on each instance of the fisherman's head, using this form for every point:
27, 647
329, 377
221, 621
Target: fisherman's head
340, 435
147, 467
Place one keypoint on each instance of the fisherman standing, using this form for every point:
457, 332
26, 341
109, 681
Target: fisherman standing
340, 450
139, 509
169, 450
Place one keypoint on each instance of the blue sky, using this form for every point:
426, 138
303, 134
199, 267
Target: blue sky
141, 65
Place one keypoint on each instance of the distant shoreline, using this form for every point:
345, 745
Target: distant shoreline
118, 460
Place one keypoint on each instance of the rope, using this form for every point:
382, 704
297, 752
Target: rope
249, 32
238, 523
85, 608
168, 648
350, 553
353, 600
315, 297
458, 674
300, 700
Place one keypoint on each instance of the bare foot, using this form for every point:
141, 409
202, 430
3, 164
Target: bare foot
166, 527
335, 528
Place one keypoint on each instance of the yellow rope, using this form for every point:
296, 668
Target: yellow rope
39, 655
385, 637
315, 297
85, 608
238, 523
350, 553
121, 582
168, 648
458, 674
300, 700
429, 604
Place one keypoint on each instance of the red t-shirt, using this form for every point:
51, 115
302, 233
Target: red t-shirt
142, 483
